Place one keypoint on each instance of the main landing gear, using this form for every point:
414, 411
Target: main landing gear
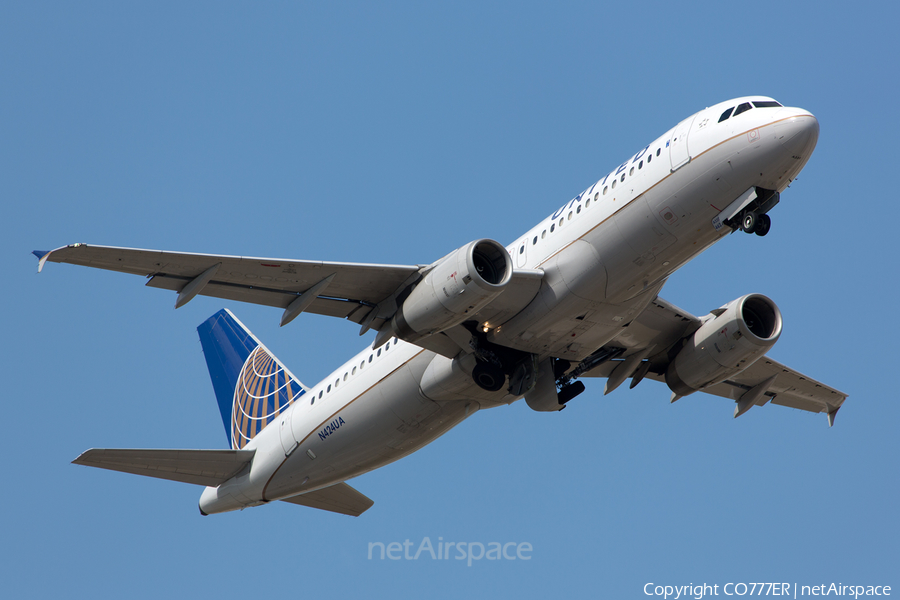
758, 224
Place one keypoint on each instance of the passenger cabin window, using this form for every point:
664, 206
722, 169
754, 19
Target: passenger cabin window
742, 108
766, 104
726, 114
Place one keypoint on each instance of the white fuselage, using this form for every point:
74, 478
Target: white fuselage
605, 255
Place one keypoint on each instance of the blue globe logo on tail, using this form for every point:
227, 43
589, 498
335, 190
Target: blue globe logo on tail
252, 386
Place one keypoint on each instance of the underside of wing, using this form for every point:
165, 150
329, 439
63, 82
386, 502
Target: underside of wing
346, 290
200, 467
660, 333
788, 388
340, 498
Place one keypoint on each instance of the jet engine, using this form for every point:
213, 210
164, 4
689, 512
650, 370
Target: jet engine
741, 332
461, 284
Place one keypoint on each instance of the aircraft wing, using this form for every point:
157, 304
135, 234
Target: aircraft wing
340, 498
363, 293
346, 290
662, 325
200, 467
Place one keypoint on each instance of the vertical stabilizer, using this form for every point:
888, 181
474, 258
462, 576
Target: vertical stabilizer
252, 386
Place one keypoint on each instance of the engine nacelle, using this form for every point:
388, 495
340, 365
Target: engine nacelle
460, 285
725, 345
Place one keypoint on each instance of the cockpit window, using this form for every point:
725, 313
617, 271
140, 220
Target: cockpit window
742, 108
766, 104
726, 114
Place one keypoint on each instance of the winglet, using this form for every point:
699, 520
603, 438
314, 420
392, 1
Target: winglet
42, 257
831, 414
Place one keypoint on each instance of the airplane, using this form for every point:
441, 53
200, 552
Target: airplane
576, 297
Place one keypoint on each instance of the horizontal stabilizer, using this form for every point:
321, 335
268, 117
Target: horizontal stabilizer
340, 498
200, 467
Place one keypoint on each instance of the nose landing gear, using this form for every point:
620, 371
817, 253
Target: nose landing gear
758, 224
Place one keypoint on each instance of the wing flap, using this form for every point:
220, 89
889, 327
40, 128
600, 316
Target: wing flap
340, 498
200, 467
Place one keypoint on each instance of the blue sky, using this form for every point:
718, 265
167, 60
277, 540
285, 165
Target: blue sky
394, 133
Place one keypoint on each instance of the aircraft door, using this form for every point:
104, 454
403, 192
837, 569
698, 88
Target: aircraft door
679, 155
286, 432
521, 254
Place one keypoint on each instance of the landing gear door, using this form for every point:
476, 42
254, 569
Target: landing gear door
679, 155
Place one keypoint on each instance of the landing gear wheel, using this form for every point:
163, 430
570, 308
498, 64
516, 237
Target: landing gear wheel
763, 223
748, 222
488, 377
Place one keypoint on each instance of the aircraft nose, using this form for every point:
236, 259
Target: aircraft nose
797, 130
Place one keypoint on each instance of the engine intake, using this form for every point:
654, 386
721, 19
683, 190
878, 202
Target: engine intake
459, 285
741, 333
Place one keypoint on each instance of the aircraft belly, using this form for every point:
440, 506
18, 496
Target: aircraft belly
385, 423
